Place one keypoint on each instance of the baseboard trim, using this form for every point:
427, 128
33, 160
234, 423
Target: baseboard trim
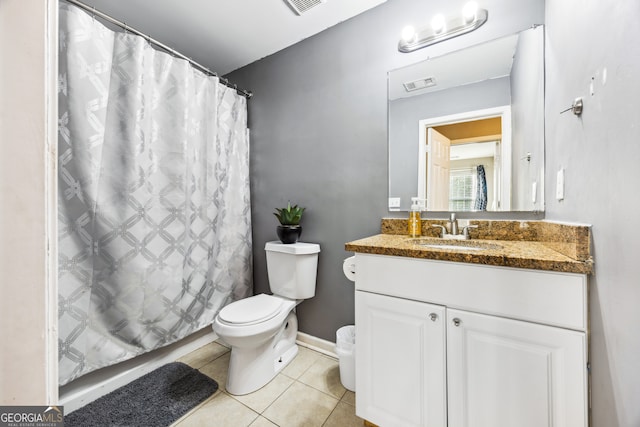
91, 386
317, 344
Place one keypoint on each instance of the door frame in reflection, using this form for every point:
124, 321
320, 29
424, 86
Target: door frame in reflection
504, 112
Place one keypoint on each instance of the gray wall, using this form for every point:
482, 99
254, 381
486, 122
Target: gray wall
405, 113
318, 123
600, 152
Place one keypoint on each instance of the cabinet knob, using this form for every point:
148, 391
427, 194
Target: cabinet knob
433, 317
456, 321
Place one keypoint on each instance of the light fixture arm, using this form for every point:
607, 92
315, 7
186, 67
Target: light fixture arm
454, 27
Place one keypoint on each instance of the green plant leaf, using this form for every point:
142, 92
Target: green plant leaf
291, 215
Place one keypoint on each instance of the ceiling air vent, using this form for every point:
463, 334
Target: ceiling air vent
301, 6
419, 84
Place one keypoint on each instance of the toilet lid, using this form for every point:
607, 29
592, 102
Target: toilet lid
255, 309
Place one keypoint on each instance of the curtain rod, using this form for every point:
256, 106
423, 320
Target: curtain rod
123, 25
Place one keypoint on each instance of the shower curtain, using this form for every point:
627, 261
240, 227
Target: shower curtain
154, 210
481, 189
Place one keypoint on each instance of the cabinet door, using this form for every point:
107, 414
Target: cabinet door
400, 361
505, 373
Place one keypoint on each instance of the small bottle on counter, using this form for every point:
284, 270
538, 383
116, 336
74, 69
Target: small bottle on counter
414, 227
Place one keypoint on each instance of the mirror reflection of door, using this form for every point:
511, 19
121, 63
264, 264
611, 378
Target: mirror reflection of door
463, 167
438, 160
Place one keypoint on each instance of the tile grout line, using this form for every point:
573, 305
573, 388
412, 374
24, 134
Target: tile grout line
337, 399
261, 414
330, 413
199, 406
315, 388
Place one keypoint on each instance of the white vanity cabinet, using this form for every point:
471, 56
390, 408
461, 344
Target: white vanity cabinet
400, 360
465, 345
504, 372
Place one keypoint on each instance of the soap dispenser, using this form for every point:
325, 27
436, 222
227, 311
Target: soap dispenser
415, 223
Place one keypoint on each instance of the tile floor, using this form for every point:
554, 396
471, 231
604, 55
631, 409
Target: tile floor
307, 392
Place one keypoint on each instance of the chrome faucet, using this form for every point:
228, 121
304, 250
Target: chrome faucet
452, 231
453, 224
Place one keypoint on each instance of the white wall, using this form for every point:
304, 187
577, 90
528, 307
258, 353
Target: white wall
28, 360
600, 152
527, 118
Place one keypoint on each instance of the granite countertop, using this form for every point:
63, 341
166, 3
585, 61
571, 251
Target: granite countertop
538, 255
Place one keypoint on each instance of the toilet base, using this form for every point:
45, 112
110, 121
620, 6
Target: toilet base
281, 362
252, 368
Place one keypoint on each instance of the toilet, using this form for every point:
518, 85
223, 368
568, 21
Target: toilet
262, 329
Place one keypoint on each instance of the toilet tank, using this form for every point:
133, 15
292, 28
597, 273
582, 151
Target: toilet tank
292, 269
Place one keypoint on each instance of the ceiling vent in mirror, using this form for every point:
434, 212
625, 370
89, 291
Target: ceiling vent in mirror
302, 6
419, 84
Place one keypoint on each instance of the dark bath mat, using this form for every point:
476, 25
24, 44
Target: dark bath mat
154, 400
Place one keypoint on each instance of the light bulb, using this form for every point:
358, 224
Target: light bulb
438, 23
469, 12
409, 34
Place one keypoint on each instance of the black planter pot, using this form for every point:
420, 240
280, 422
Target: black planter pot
289, 233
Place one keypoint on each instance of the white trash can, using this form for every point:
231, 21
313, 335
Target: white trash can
346, 349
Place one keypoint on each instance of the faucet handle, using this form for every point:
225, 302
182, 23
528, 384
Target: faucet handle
465, 230
443, 229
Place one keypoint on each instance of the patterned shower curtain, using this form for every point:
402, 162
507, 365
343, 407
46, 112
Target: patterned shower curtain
481, 190
154, 209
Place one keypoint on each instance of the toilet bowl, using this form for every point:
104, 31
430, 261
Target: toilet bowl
262, 329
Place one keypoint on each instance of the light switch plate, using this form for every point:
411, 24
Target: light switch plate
560, 185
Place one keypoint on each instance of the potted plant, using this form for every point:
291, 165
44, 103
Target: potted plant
289, 229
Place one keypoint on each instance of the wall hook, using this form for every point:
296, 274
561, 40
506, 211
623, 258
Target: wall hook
576, 107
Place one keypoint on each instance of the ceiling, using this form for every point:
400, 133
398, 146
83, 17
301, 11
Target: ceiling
225, 35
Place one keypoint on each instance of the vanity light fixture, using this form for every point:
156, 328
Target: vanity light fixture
442, 29
470, 12
408, 34
438, 24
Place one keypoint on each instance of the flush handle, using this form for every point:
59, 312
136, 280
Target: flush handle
456, 321
433, 317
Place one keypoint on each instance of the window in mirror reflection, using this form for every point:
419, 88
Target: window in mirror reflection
472, 180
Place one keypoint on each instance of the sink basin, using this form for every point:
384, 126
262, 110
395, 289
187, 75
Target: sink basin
456, 245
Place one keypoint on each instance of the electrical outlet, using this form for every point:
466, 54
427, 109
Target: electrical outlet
534, 192
394, 202
560, 185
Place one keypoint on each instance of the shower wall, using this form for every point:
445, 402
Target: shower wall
28, 295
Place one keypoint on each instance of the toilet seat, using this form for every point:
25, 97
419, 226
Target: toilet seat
250, 311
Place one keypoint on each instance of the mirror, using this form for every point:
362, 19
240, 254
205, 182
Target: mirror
466, 129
